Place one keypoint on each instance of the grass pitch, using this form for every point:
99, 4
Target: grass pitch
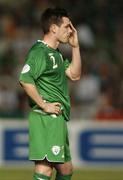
81, 174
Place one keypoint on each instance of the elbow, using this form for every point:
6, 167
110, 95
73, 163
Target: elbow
77, 78
74, 76
21, 83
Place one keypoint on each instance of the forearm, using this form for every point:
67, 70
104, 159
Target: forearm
32, 92
53, 108
74, 70
76, 62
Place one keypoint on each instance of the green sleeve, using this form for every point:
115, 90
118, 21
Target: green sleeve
66, 63
34, 66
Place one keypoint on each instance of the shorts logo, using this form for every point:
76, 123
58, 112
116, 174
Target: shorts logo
25, 69
56, 150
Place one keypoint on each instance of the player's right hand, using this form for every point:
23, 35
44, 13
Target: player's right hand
52, 108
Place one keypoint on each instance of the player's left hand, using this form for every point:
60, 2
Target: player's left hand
73, 39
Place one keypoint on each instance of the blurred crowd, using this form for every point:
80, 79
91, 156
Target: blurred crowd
99, 93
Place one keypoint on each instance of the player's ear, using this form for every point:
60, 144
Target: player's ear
53, 28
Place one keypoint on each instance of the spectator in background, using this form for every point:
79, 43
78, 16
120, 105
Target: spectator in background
86, 94
8, 101
8, 62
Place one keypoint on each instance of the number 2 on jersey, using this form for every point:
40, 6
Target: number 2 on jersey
52, 58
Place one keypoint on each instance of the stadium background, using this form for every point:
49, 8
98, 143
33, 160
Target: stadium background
96, 127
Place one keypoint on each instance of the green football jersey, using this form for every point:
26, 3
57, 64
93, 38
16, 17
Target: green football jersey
45, 68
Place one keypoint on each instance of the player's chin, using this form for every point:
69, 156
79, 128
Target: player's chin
65, 41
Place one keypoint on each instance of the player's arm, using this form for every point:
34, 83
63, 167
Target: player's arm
32, 92
74, 69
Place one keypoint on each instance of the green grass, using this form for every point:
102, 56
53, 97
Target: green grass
83, 174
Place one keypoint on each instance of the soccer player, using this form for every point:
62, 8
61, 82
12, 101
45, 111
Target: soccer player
44, 79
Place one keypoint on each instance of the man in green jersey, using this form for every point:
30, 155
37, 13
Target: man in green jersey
44, 78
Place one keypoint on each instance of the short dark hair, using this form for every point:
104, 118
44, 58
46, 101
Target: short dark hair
52, 16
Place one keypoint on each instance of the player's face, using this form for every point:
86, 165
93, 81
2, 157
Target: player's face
64, 31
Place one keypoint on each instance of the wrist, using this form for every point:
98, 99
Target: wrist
43, 105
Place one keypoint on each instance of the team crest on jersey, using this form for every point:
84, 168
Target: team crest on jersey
25, 69
56, 150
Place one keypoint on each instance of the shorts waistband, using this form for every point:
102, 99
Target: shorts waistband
44, 113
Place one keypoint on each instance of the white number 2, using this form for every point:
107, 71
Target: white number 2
54, 61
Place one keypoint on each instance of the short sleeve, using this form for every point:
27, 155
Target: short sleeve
34, 66
66, 63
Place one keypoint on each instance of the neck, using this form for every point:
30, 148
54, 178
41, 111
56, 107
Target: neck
51, 41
